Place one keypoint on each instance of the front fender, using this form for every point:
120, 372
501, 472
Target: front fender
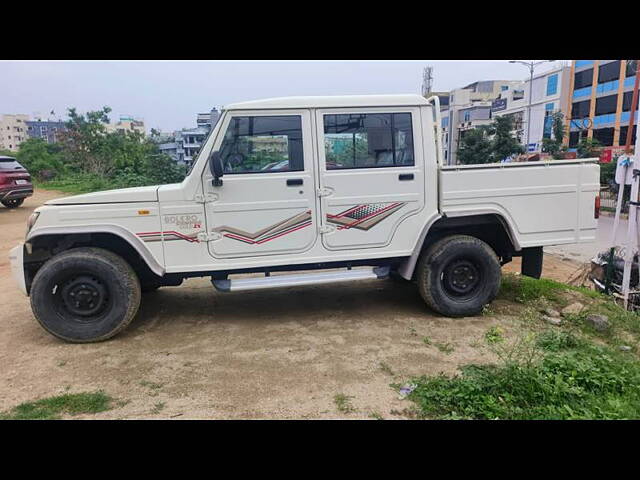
136, 243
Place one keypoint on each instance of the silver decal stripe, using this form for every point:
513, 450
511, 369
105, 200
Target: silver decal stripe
284, 227
364, 216
167, 236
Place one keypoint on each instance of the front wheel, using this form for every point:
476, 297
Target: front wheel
85, 295
13, 203
458, 275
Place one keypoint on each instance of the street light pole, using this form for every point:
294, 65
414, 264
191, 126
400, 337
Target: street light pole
531, 66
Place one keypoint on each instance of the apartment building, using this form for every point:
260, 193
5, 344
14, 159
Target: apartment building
549, 94
13, 131
470, 107
186, 143
44, 129
599, 103
127, 124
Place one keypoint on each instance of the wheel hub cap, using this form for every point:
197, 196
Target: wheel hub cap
84, 295
461, 277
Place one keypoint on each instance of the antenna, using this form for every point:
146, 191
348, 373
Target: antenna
427, 80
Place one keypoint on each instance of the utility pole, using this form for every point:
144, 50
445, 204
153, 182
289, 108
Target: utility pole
632, 114
531, 66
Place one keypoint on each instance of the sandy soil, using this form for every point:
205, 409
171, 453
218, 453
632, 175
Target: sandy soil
196, 353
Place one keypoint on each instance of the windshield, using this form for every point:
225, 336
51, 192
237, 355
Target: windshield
8, 163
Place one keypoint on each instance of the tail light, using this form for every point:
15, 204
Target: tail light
596, 212
3, 179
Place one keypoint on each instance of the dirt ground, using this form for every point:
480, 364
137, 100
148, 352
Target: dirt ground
195, 353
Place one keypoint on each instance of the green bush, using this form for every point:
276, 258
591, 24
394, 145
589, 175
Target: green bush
88, 158
586, 382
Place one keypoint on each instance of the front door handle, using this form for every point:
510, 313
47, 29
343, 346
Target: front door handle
405, 176
292, 182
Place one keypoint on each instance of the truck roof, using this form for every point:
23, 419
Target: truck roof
404, 100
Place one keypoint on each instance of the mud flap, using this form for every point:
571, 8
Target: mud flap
532, 262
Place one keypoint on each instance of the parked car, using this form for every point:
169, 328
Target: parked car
364, 195
15, 183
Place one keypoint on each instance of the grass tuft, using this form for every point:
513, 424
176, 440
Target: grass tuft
343, 403
52, 407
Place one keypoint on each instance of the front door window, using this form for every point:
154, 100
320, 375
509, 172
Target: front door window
263, 144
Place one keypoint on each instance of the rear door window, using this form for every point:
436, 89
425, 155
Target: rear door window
368, 140
10, 164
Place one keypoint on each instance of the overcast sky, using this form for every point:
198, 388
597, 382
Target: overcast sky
167, 95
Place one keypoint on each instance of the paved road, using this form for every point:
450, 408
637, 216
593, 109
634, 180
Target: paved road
584, 252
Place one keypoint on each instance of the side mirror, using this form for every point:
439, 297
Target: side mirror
215, 165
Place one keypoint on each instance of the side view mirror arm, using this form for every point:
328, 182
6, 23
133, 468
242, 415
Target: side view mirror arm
215, 165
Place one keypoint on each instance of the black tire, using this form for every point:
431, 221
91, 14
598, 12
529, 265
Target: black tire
458, 275
103, 287
532, 262
13, 203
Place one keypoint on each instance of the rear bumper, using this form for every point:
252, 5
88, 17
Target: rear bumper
16, 192
16, 258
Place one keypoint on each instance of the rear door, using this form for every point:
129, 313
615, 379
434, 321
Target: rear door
371, 174
267, 203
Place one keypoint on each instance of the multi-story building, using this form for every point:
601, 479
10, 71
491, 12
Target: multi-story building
127, 124
186, 143
599, 102
13, 131
468, 108
46, 130
549, 93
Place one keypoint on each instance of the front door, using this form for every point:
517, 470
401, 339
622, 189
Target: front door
371, 174
266, 204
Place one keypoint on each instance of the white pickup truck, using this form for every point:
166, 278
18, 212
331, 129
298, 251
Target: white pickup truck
305, 190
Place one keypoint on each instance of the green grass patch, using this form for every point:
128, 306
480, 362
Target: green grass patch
84, 183
494, 335
52, 407
522, 289
572, 380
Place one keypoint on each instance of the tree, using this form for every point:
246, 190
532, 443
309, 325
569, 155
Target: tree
162, 169
554, 145
475, 146
41, 159
589, 147
83, 140
489, 143
503, 143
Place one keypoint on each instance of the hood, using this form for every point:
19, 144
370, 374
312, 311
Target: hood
122, 195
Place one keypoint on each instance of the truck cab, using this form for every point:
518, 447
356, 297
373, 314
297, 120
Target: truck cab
312, 190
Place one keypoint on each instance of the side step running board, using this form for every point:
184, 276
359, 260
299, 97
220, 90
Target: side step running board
300, 279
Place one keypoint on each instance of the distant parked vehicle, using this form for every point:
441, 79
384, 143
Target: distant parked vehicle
15, 183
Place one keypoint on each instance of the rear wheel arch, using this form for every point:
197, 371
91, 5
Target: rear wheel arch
492, 229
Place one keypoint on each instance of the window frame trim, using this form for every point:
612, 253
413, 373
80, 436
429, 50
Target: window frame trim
266, 113
414, 113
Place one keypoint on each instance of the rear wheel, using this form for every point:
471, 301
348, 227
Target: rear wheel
85, 295
458, 275
13, 203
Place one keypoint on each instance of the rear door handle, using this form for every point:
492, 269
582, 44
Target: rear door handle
292, 182
405, 176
